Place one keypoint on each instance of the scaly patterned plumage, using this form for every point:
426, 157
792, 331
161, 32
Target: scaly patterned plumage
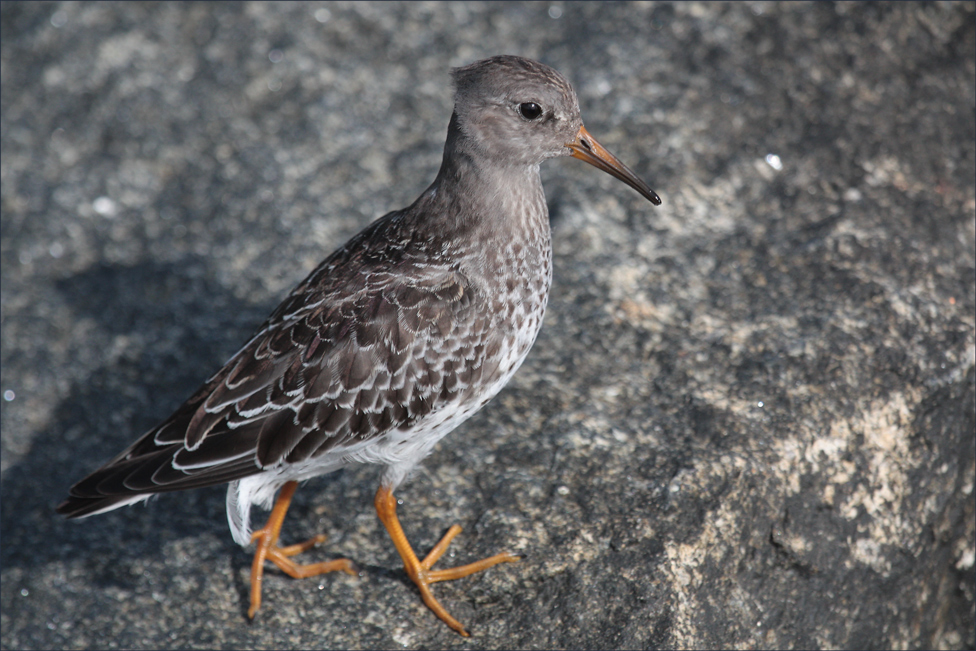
397, 337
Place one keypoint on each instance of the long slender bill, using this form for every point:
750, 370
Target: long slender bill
587, 149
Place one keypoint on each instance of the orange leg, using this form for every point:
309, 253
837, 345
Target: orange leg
268, 550
419, 571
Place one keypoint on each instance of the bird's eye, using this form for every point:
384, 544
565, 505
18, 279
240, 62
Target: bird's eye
530, 110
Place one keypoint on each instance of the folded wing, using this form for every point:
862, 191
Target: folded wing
336, 364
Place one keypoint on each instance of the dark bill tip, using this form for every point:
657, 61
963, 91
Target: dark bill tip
587, 149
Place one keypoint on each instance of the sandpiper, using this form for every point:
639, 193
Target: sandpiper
389, 344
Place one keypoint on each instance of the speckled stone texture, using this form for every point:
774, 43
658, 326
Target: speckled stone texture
749, 419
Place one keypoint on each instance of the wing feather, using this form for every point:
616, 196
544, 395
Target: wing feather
348, 356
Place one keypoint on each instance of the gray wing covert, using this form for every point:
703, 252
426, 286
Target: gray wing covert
322, 374
348, 370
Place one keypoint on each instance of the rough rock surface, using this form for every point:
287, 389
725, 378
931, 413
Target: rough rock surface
749, 420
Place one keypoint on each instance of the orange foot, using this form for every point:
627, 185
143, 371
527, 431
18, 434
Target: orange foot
419, 571
268, 550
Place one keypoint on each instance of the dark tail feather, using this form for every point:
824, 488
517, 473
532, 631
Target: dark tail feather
79, 507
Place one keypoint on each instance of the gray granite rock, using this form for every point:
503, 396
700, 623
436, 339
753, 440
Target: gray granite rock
749, 419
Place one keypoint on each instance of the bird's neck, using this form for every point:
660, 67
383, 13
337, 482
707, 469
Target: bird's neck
485, 195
